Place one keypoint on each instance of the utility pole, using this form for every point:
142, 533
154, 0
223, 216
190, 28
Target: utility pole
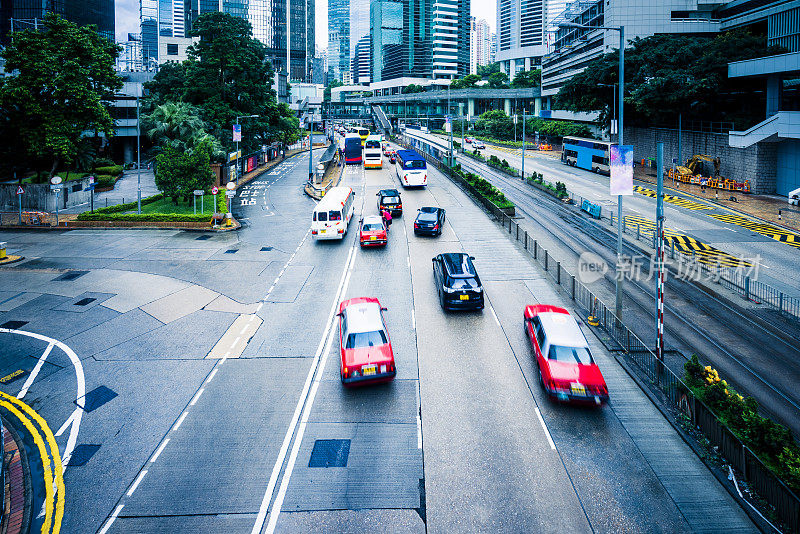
523, 144
138, 159
660, 255
618, 307
449, 124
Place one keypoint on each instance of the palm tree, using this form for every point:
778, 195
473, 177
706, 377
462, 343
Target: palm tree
176, 124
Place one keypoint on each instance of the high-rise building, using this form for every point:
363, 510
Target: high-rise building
338, 38
270, 24
480, 44
423, 39
521, 28
361, 61
24, 14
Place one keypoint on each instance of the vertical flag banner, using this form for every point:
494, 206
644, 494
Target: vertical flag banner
237, 133
447, 126
621, 169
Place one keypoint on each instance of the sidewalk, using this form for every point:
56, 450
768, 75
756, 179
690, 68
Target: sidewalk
14, 505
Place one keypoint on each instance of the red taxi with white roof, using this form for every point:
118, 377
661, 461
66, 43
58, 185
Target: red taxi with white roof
567, 370
373, 231
366, 350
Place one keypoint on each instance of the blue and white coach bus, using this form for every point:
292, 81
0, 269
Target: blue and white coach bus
412, 169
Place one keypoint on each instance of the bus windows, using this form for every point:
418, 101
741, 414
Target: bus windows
334, 216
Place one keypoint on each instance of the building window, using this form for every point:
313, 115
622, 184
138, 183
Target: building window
172, 49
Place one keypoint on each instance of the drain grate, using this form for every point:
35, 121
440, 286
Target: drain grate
70, 275
330, 453
97, 397
232, 251
266, 249
82, 454
84, 302
202, 238
13, 325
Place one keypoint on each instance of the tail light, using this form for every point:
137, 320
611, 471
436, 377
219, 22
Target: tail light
416, 224
435, 226
313, 232
560, 385
399, 206
341, 231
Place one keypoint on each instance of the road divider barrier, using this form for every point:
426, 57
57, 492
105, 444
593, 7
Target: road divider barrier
592, 209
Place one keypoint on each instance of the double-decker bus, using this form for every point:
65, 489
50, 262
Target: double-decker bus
363, 133
352, 149
411, 168
373, 159
589, 154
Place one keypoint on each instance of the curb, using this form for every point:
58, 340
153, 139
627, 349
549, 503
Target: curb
11, 259
16, 515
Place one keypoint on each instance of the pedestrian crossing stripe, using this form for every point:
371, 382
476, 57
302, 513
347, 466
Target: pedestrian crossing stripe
784, 236
702, 252
678, 201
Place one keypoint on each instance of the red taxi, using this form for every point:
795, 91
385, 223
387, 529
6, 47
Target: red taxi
372, 232
567, 371
366, 350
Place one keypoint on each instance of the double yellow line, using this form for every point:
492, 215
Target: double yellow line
53, 475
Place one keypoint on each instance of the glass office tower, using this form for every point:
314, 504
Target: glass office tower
25, 13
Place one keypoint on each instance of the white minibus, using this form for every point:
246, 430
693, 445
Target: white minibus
332, 214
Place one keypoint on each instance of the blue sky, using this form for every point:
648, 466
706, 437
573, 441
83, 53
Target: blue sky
128, 17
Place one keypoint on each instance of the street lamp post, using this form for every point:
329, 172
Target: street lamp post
138, 160
621, 30
238, 164
450, 124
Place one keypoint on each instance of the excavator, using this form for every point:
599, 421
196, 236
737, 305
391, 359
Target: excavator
702, 169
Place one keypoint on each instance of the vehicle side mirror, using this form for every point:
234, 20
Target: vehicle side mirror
472, 257
384, 309
433, 260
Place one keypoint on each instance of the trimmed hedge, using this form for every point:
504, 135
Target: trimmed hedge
503, 165
771, 442
166, 217
559, 190
117, 208
113, 170
486, 189
222, 202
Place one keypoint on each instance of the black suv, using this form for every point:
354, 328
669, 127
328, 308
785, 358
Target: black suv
457, 282
430, 221
389, 199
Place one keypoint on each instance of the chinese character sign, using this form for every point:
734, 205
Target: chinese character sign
237, 133
621, 169
447, 126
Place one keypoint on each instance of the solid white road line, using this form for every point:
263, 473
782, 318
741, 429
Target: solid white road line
544, 427
491, 309
111, 519
159, 450
211, 376
35, 371
273, 479
136, 482
413, 320
419, 432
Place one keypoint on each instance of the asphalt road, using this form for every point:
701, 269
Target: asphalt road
210, 370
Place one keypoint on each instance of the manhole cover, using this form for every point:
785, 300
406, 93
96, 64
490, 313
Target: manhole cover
71, 275
13, 325
84, 302
330, 453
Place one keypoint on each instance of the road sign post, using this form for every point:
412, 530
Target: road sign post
56, 185
197, 193
660, 255
20, 192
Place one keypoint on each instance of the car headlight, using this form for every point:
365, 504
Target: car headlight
449, 289
479, 289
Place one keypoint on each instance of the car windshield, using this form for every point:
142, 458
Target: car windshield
372, 227
372, 144
414, 164
335, 216
579, 355
322, 216
426, 216
361, 340
462, 283
391, 200
428, 210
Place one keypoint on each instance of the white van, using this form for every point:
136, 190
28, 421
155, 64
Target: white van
332, 214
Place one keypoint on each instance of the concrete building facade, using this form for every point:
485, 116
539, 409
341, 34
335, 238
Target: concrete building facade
521, 36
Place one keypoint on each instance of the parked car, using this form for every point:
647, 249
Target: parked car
794, 197
429, 221
393, 157
478, 144
364, 344
389, 199
567, 371
373, 232
468, 140
457, 282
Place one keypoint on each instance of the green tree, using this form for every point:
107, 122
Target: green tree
484, 71
660, 82
528, 78
412, 88
179, 172
498, 80
63, 87
466, 82
169, 85
326, 95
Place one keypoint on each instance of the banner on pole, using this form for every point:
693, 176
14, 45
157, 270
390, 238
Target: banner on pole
237, 133
447, 127
621, 170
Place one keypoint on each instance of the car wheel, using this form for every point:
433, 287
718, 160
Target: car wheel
541, 380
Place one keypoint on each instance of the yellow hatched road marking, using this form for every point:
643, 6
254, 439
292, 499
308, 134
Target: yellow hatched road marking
672, 199
778, 234
8, 402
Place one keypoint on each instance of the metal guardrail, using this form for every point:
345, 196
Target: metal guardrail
673, 391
